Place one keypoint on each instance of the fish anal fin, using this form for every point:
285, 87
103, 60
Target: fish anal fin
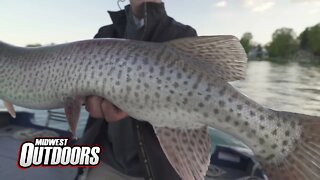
9, 106
72, 110
303, 161
188, 150
222, 55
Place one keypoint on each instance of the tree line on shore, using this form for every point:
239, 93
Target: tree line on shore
285, 44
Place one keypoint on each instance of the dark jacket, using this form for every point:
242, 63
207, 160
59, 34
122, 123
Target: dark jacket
131, 146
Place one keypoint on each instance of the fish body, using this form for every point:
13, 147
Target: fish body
180, 87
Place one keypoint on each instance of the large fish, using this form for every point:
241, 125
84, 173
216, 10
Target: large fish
180, 87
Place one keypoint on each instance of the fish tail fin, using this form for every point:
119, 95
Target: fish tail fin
303, 162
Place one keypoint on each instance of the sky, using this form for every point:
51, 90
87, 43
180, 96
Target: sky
58, 21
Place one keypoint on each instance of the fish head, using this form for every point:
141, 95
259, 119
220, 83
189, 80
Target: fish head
2, 45
3, 55
2, 66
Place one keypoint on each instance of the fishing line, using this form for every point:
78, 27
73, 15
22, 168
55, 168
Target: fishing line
120, 1
145, 16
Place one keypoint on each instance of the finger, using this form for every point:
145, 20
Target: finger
111, 112
93, 106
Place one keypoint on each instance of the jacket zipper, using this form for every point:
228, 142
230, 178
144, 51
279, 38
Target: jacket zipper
143, 153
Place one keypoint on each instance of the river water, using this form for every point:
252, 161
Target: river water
287, 87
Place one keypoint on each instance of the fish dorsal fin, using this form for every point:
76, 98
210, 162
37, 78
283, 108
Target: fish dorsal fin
188, 150
222, 55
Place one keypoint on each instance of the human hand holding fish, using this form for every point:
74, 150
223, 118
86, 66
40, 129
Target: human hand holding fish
180, 87
98, 107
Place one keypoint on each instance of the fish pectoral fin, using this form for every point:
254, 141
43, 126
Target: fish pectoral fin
188, 150
222, 56
72, 110
9, 106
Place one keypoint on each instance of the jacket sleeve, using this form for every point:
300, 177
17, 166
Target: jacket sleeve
106, 32
175, 30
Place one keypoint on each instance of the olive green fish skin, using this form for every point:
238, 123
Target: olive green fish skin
147, 80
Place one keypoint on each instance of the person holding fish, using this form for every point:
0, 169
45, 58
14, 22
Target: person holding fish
131, 147
176, 89
286, 144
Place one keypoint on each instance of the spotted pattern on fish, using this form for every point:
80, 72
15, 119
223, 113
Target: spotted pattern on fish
179, 85
111, 66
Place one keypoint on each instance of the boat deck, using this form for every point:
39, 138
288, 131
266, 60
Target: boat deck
13, 132
226, 162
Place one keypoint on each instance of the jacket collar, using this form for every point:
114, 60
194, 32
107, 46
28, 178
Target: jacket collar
155, 13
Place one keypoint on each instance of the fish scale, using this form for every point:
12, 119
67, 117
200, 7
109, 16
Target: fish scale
180, 87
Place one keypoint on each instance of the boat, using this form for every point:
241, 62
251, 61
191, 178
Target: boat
228, 161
